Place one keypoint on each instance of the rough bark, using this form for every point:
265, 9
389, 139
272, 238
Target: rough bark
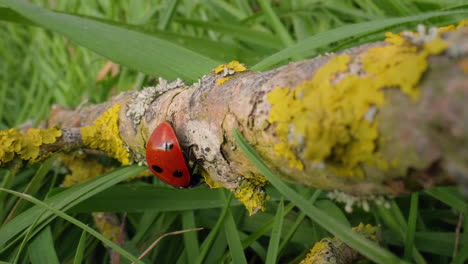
422, 138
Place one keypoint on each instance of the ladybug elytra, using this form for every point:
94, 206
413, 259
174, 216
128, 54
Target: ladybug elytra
165, 157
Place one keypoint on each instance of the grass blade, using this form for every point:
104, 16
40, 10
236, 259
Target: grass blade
33, 186
272, 253
80, 249
339, 34
41, 250
232, 236
64, 201
76, 222
241, 32
168, 14
206, 245
6, 14
450, 196
411, 229
131, 198
192, 246
131, 48
276, 23
351, 238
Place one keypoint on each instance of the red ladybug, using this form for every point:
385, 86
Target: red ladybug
165, 157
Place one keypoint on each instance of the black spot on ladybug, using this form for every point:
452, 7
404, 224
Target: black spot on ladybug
157, 169
167, 145
207, 149
177, 174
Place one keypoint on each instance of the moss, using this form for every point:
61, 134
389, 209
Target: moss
250, 192
104, 135
226, 71
332, 119
26, 146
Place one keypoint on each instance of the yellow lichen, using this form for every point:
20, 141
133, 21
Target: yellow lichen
107, 224
463, 65
233, 65
369, 231
104, 135
330, 250
319, 253
463, 23
81, 168
227, 70
250, 192
26, 146
212, 183
222, 80
332, 118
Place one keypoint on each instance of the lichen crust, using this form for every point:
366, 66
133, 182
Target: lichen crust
251, 193
226, 71
107, 224
104, 135
332, 120
330, 250
26, 146
81, 168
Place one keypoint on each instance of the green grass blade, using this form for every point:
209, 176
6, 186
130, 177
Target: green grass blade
64, 201
41, 250
209, 240
411, 229
275, 238
227, 8
192, 246
275, 22
131, 48
76, 222
351, 238
34, 185
6, 14
168, 13
232, 235
6, 183
394, 219
241, 32
339, 34
80, 249
131, 198
450, 196
291, 232
27, 236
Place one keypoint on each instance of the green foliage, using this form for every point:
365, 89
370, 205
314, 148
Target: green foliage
51, 53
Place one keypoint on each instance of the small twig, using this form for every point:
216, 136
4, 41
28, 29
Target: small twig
120, 240
163, 236
457, 235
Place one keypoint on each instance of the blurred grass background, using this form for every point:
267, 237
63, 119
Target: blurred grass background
39, 68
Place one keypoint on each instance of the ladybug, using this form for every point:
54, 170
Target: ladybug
165, 158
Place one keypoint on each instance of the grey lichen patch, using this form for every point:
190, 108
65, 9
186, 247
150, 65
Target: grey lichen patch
142, 100
363, 202
422, 35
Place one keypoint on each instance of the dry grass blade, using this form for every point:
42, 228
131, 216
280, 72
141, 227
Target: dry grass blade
163, 236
